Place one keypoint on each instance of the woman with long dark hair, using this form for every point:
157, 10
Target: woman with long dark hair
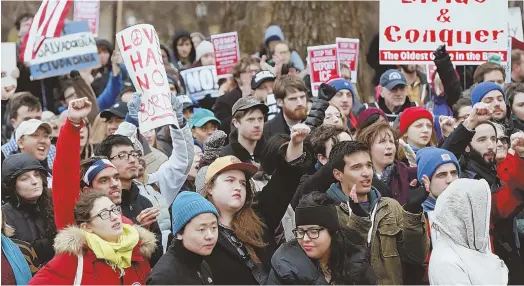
324, 252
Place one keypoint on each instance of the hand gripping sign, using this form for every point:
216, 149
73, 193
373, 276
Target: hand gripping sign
140, 49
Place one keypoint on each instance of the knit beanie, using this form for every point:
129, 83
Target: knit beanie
369, 116
482, 89
188, 205
412, 114
430, 158
340, 84
204, 48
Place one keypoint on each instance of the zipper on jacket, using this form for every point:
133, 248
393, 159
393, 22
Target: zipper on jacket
201, 278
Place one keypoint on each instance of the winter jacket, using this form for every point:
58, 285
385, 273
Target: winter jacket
234, 148
277, 125
461, 251
30, 227
381, 104
507, 188
71, 242
398, 237
101, 75
449, 77
224, 106
179, 266
192, 56
290, 265
275, 32
227, 265
399, 181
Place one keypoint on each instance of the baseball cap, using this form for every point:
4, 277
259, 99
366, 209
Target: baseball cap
247, 103
227, 163
392, 78
186, 102
261, 77
30, 126
118, 109
201, 117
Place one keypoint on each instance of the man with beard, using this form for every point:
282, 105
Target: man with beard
245, 142
418, 86
393, 95
290, 92
474, 142
493, 95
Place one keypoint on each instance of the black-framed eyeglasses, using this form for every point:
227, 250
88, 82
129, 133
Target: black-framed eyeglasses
105, 214
312, 233
125, 156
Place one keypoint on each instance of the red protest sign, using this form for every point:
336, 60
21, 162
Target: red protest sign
323, 65
347, 53
89, 11
227, 53
140, 49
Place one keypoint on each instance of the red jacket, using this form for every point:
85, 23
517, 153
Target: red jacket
70, 242
509, 200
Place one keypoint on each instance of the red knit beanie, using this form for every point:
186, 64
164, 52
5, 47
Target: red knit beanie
412, 114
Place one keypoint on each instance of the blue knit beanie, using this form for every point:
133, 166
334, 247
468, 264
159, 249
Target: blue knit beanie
482, 89
188, 205
430, 158
340, 84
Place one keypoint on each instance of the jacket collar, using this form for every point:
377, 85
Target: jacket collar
191, 259
382, 105
335, 193
240, 152
131, 195
71, 240
279, 124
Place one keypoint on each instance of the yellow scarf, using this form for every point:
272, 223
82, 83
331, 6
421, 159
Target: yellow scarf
115, 253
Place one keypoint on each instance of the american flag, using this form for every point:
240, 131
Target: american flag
47, 23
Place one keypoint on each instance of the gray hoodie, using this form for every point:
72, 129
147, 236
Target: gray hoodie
461, 251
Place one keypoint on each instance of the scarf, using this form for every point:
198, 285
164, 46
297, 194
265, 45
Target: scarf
117, 254
16, 260
429, 204
415, 149
386, 174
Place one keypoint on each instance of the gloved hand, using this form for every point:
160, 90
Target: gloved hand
177, 105
416, 196
133, 108
317, 113
440, 52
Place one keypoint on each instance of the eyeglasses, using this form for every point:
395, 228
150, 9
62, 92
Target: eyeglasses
312, 233
125, 156
105, 214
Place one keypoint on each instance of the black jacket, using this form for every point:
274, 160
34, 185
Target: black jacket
270, 205
224, 106
291, 266
179, 266
277, 125
132, 204
236, 149
381, 104
30, 226
450, 79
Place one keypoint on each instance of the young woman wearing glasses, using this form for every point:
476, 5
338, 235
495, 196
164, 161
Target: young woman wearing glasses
99, 249
323, 252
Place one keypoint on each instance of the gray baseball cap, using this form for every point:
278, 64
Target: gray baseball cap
392, 78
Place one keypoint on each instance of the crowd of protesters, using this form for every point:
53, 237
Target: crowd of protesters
264, 183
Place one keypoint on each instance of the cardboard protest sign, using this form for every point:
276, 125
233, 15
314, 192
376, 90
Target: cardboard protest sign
347, 53
323, 65
140, 49
89, 11
463, 26
8, 63
515, 28
76, 50
227, 53
200, 82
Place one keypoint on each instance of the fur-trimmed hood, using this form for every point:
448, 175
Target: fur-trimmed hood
71, 240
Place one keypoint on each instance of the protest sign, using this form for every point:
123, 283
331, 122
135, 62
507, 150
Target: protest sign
470, 30
140, 49
227, 53
200, 82
515, 23
89, 11
323, 65
8, 63
76, 50
347, 53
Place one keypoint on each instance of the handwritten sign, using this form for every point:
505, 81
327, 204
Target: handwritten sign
200, 82
227, 53
461, 25
347, 53
89, 11
140, 49
323, 65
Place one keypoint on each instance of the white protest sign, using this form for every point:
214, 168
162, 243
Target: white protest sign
200, 82
471, 30
8, 63
65, 46
140, 49
347, 53
323, 65
89, 11
515, 23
